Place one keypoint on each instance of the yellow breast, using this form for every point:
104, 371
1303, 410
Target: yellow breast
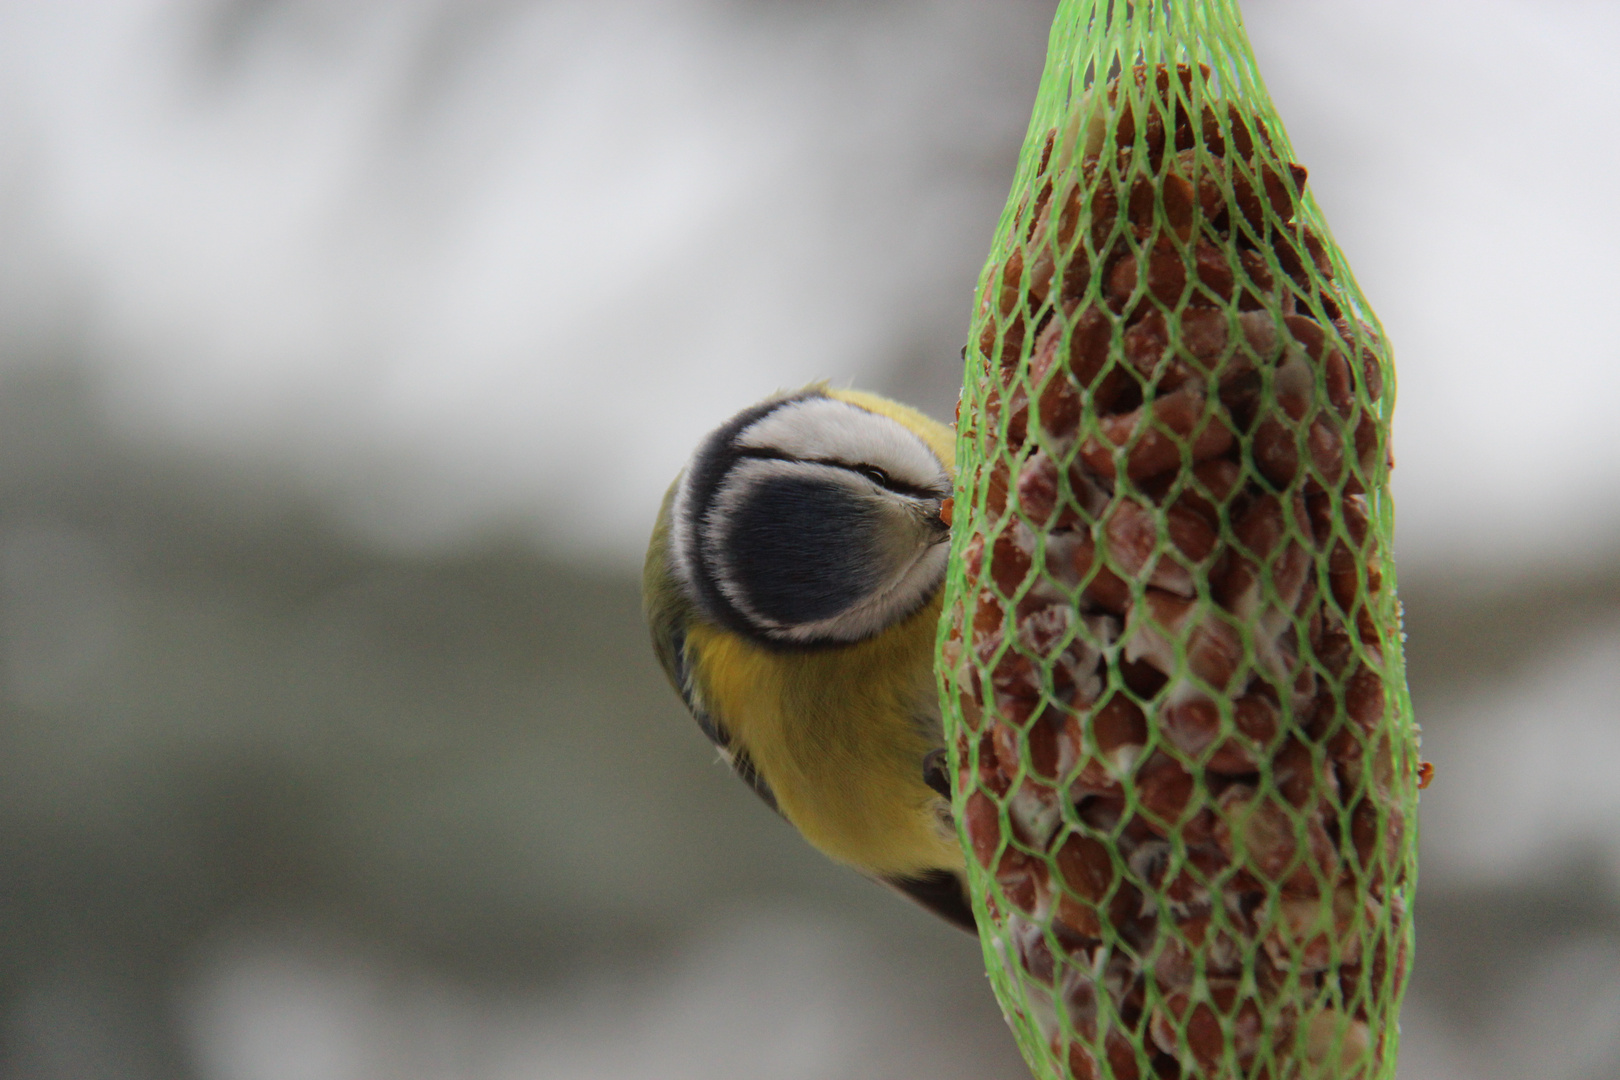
836, 735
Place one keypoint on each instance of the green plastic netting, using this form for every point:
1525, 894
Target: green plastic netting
1171, 654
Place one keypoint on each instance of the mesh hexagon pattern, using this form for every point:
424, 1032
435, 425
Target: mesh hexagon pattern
1185, 758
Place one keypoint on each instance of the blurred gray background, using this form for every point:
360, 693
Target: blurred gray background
345, 349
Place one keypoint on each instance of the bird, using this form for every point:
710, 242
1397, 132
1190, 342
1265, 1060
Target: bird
792, 589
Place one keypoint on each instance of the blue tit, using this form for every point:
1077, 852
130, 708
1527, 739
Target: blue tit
793, 592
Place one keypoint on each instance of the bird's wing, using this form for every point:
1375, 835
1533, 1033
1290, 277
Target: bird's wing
667, 612
680, 674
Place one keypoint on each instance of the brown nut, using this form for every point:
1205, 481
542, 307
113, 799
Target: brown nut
1086, 871
1010, 557
1195, 1032
1153, 438
1212, 646
1317, 933
1194, 726
1041, 499
1166, 278
1073, 560
1131, 537
1164, 789
1214, 483
1262, 834
983, 827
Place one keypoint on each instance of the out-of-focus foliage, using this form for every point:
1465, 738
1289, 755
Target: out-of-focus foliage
220, 716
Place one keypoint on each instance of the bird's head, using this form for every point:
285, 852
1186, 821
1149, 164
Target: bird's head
813, 519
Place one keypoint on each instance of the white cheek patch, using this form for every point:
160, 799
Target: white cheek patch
867, 552
681, 540
825, 429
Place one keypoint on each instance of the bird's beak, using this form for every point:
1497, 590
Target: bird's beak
939, 519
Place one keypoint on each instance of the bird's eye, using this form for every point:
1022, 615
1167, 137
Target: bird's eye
874, 474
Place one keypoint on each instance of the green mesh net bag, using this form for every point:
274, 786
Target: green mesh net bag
1184, 753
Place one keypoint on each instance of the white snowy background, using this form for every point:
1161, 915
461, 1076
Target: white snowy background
417, 280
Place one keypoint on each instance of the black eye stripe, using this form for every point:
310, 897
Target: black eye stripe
870, 472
